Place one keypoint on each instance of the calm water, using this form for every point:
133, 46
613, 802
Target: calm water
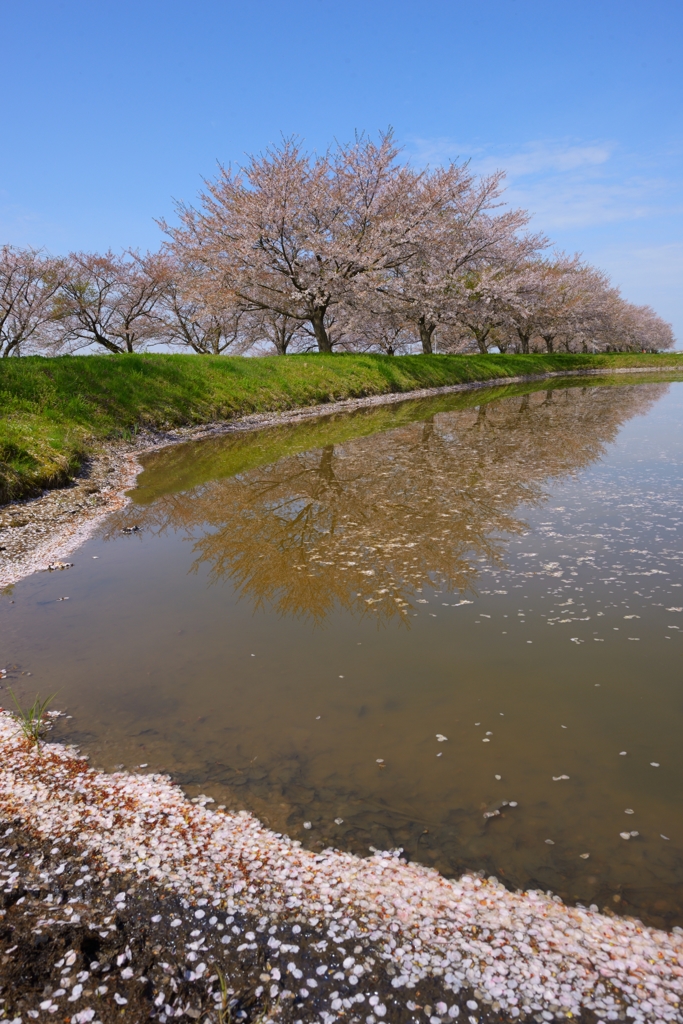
306, 610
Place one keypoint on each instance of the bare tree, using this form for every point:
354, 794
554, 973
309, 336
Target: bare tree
29, 281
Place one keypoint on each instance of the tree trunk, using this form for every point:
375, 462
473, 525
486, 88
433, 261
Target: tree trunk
481, 336
426, 332
549, 343
320, 331
524, 338
11, 349
110, 346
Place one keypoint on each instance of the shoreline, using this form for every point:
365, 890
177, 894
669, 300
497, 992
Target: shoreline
128, 889
189, 891
36, 532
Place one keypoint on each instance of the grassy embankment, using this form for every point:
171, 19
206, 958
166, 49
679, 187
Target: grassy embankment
53, 411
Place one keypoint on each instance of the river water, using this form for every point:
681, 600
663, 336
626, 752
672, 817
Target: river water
452, 626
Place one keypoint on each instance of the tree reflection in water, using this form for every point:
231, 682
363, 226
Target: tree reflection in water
311, 517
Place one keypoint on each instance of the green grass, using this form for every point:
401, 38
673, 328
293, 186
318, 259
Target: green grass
53, 411
33, 721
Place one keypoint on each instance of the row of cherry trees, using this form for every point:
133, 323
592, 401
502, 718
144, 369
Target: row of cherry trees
350, 251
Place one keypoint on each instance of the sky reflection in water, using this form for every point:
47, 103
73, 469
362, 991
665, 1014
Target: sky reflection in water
306, 609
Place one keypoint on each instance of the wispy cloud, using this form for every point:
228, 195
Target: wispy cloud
622, 210
564, 183
533, 158
571, 200
538, 157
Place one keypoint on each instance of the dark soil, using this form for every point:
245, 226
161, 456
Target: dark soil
80, 945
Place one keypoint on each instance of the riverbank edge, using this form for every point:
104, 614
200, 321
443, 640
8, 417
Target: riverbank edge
55, 412
38, 532
132, 846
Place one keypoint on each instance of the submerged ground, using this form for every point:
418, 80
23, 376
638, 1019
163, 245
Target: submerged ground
447, 626
279, 933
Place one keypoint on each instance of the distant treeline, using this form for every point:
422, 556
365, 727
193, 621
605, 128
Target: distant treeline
350, 251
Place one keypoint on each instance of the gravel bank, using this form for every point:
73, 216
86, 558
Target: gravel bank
47, 529
172, 892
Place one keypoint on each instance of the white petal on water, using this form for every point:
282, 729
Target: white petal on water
201, 856
584, 856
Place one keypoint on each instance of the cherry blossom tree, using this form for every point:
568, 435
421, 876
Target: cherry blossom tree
111, 301
350, 250
376, 327
283, 332
29, 282
188, 316
298, 235
636, 329
464, 248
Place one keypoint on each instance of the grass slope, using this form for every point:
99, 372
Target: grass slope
52, 411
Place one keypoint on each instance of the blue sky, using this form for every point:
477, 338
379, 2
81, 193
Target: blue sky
114, 108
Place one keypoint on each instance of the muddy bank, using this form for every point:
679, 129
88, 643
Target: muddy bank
312, 936
47, 529
79, 944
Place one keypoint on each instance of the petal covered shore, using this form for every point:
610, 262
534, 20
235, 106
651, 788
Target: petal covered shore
523, 955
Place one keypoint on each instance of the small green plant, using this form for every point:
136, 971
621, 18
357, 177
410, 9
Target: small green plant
224, 1015
130, 433
33, 720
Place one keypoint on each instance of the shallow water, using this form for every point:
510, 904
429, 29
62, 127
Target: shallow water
307, 609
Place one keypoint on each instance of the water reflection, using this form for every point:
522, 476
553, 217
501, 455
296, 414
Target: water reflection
365, 523
532, 542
